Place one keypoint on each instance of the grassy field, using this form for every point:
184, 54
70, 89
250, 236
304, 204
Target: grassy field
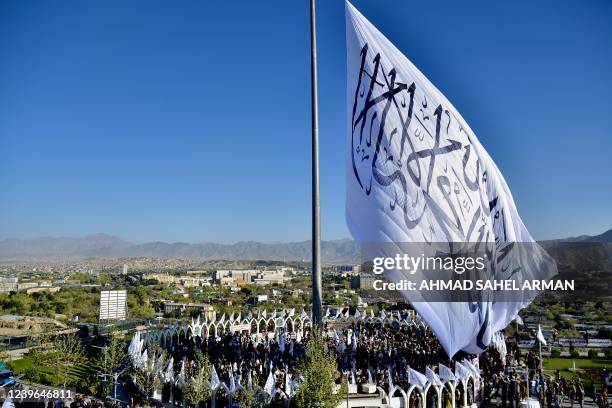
567, 363
76, 374
587, 369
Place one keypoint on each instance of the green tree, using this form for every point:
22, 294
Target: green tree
111, 359
38, 354
68, 351
255, 398
147, 378
197, 389
4, 355
319, 372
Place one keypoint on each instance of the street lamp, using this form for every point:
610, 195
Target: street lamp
114, 376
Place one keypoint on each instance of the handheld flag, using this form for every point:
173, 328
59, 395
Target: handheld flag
432, 377
446, 373
540, 336
214, 379
468, 364
416, 378
270, 387
461, 373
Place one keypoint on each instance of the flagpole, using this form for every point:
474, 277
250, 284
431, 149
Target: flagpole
541, 362
316, 206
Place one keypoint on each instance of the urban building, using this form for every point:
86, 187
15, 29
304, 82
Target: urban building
363, 282
204, 309
258, 277
39, 289
10, 284
270, 277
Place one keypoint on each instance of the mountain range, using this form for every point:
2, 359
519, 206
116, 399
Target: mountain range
108, 246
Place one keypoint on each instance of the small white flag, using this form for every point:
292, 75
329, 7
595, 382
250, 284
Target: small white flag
468, 364
8, 403
432, 377
288, 382
214, 378
446, 373
232, 384
540, 336
180, 379
270, 387
168, 375
461, 372
416, 378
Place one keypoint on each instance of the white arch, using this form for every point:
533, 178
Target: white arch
403, 394
420, 391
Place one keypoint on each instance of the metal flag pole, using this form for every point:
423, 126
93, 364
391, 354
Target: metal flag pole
316, 206
541, 362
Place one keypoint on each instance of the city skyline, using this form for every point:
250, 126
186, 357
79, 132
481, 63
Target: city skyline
167, 123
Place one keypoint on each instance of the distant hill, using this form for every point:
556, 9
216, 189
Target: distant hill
103, 245
54, 248
605, 237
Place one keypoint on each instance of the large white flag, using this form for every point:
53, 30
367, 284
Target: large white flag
416, 173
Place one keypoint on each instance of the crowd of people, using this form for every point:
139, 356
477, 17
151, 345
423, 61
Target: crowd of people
521, 378
367, 352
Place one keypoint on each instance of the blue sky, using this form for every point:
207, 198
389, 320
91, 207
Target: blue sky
190, 121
